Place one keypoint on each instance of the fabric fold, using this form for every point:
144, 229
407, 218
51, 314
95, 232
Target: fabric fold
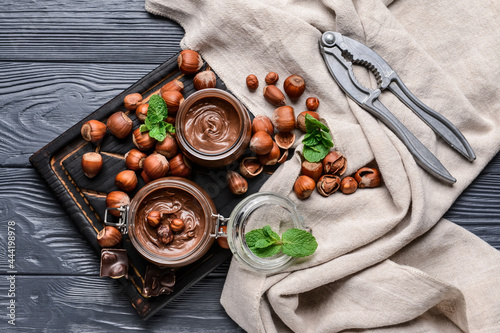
363, 275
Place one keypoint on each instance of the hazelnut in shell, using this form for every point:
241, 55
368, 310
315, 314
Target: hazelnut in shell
189, 62
304, 186
368, 177
283, 157
312, 103
205, 79
91, 164
237, 184
142, 112
132, 101
142, 140
250, 167
126, 180
180, 166
175, 84
177, 225
119, 124
348, 185
312, 169
222, 240
283, 119
173, 99
145, 177
93, 131
284, 140
262, 123
117, 199
334, 163
155, 166
252, 82
294, 86
109, 237
328, 184
261, 143
301, 119
273, 95
167, 147
134, 159
272, 78
272, 157
154, 218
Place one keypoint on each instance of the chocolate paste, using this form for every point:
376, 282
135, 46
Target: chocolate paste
172, 203
212, 125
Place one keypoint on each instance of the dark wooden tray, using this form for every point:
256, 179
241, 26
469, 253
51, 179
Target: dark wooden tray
84, 199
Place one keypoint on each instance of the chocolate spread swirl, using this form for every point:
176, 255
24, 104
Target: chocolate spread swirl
171, 203
212, 125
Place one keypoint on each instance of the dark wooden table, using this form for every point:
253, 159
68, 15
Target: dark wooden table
59, 61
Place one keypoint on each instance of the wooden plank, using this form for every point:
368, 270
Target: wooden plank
42, 100
93, 304
120, 32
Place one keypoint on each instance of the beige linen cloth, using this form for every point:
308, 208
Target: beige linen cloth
386, 261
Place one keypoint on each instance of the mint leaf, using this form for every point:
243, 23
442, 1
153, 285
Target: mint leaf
263, 243
143, 128
269, 233
312, 124
170, 128
158, 131
157, 106
326, 139
253, 236
269, 251
298, 243
154, 122
315, 153
312, 138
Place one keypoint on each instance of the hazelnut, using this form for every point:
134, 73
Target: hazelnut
273, 95
250, 167
155, 166
312, 103
165, 235
93, 131
312, 169
283, 157
175, 84
142, 140
142, 112
272, 157
132, 101
294, 86
180, 166
109, 237
154, 218
261, 143
334, 163
170, 119
145, 177
91, 164
117, 199
301, 119
328, 184
134, 159
177, 225
126, 180
189, 62
283, 119
262, 123
272, 78
204, 80
348, 185
222, 240
173, 99
368, 177
119, 124
304, 186
237, 184
284, 140
167, 147
252, 82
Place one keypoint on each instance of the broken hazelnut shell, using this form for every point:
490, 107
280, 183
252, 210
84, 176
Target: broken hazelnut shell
368, 177
250, 167
328, 184
284, 140
334, 163
283, 157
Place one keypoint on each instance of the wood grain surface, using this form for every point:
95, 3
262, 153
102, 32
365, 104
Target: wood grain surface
59, 61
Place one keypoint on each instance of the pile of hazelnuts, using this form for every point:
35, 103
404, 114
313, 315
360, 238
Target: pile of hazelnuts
151, 158
325, 176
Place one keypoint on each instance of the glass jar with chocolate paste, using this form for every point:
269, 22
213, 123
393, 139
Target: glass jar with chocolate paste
213, 128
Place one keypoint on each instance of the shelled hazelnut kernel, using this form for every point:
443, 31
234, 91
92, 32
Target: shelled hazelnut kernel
177, 225
312, 103
252, 82
154, 218
272, 78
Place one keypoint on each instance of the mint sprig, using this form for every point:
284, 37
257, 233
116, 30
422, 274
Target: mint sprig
294, 242
155, 120
317, 141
